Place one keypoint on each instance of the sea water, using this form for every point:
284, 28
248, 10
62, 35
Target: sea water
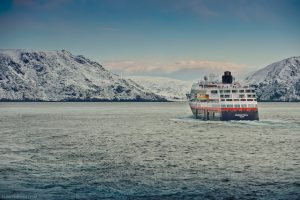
146, 151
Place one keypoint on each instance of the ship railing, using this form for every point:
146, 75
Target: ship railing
235, 85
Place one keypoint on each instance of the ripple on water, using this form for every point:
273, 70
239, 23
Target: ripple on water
158, 151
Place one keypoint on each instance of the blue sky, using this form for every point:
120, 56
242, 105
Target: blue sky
175, 38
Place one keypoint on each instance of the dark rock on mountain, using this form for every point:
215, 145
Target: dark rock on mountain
27, 75
279, 81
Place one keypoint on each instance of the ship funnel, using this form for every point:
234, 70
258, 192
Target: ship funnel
227, 78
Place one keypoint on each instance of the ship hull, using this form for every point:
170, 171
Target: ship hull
225, 101
225, 114
240, 115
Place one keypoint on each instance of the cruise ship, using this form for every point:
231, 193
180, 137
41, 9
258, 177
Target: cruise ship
227, 100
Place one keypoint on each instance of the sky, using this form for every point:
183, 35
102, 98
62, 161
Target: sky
182, 39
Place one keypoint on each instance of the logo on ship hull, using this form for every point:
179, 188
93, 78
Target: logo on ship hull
241, 115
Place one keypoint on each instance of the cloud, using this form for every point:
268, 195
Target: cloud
132, 67
207, 65
242, 9
198, 7
40, 4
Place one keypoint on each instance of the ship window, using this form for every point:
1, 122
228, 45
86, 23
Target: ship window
226, 91
214, 92
248, 91
222, 99
236, 100
253, 95
223, 106
251, 106
229, 106
221, 91
237, 105
244, 105
249, 95
214, 100
243, 99
222, 96
227, 96
234, 91
241, 96
228, 99
254, 100
241, 91
249, 99
253, 91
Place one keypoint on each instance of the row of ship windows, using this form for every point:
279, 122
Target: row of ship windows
238, 99
240, 96
232, 91
239, 106
217, 100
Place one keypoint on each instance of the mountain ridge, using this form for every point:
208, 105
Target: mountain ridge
169, 88
279, 81
29, 75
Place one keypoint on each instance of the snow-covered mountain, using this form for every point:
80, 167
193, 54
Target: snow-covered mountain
171, 89
27, 75
279, 81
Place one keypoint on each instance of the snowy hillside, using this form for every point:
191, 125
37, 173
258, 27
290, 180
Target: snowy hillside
27, 75
279, 81
171, 89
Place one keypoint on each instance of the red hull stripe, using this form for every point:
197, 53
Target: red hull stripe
224, 109
239, 109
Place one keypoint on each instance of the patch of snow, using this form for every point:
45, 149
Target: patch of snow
61, 76
279, 81
171, 89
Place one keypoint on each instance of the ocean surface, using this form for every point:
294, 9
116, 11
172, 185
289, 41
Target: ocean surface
146, 151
